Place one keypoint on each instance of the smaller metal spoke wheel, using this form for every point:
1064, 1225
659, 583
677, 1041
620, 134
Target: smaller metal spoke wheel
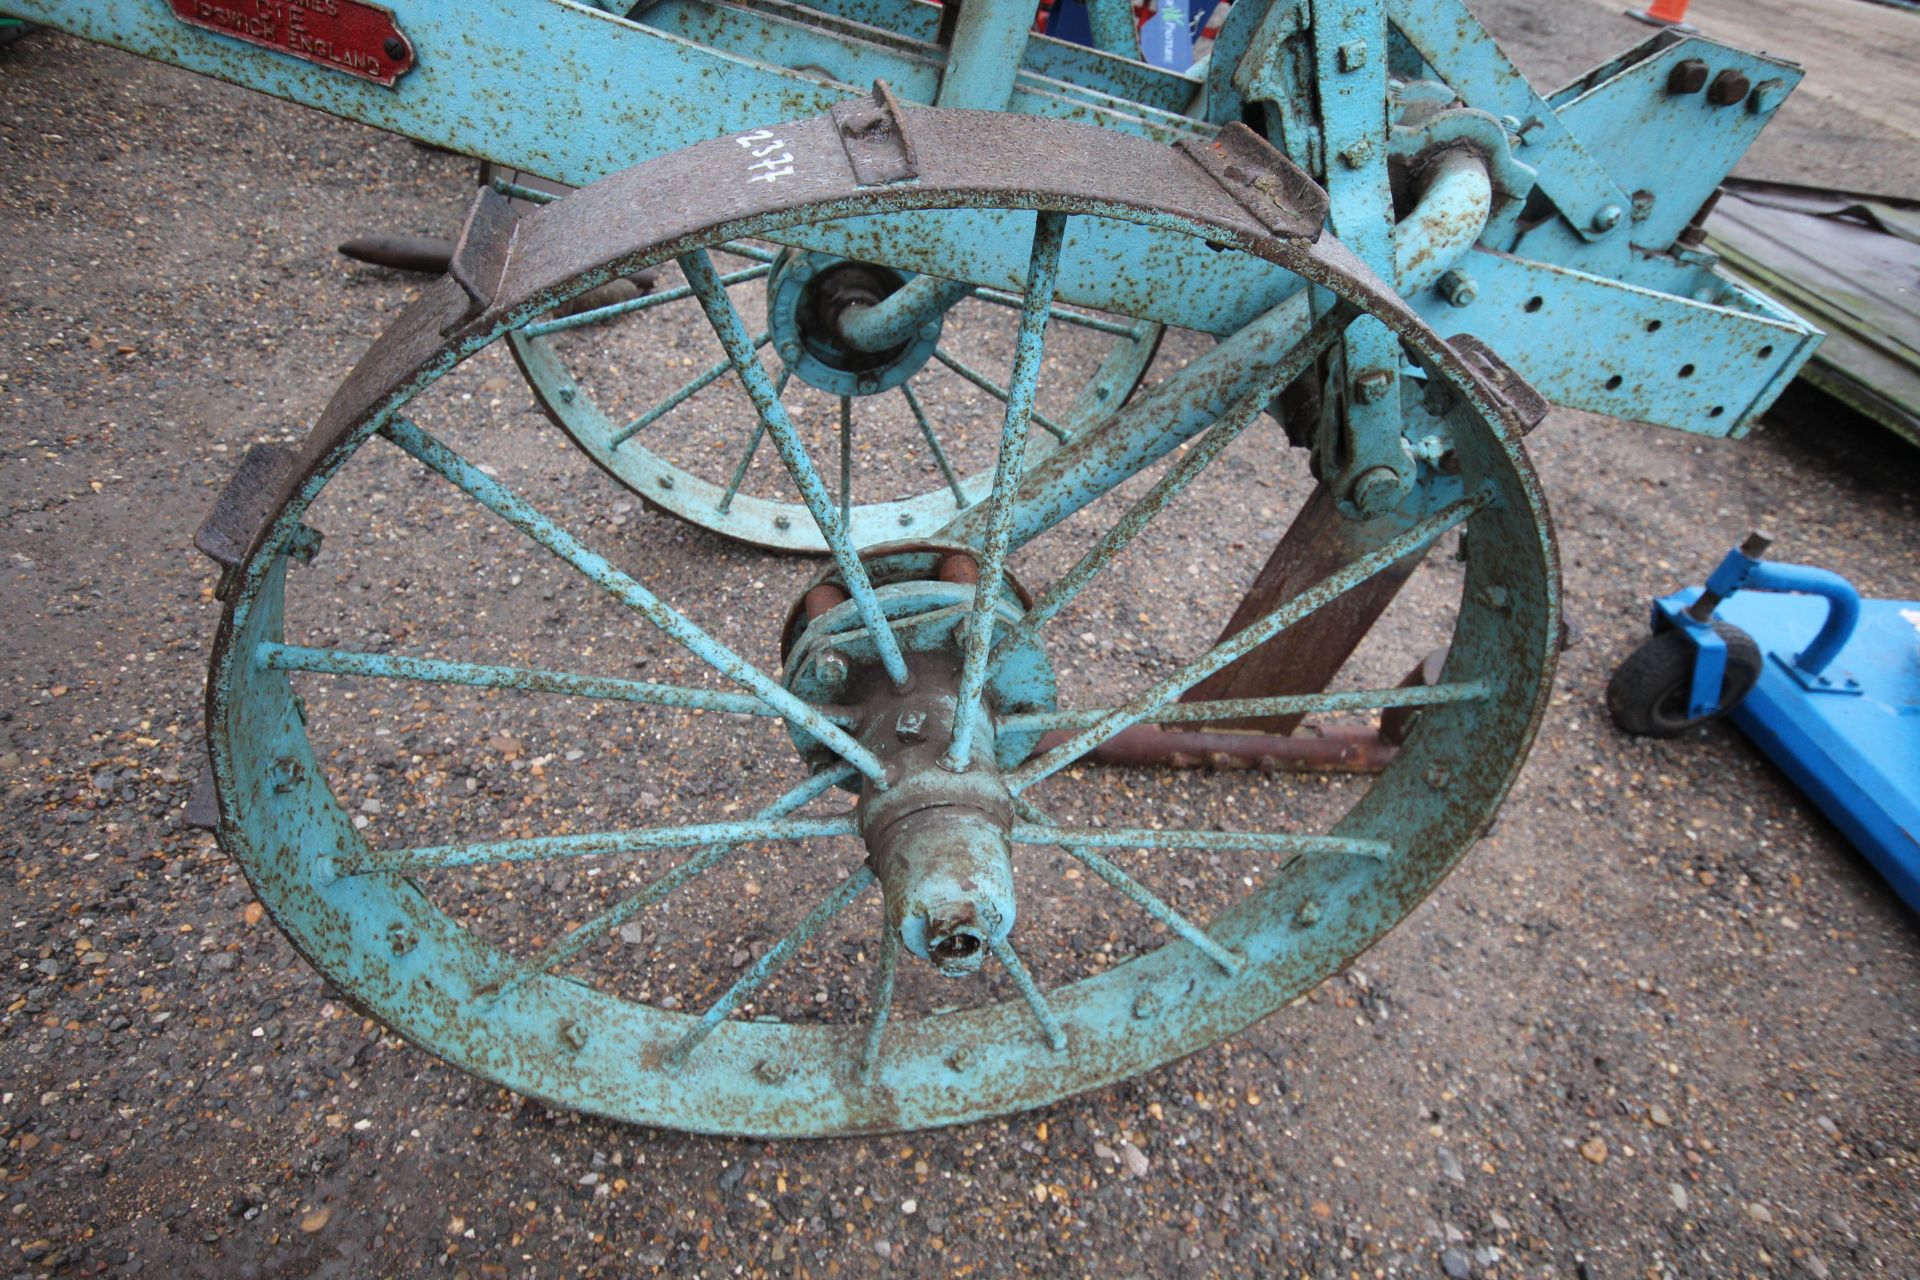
816, 873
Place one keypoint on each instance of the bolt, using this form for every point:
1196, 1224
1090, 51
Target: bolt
396, 48
1376, 492
1146, 1004
1728, 87
574, 1034
930, 331
906, 518
1438, 777
1511, 124
567, 394
1353, 55
1767, 95
783, 522
1608, 218
911, 726
1458, 288
1372, 384
1307, 914
1357, 154
1642, 205
831, 667
402, 939
1687, 76
666, 482
770, 1070
285, 774
960, 1057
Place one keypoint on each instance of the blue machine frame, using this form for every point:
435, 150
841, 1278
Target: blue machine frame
1837, 704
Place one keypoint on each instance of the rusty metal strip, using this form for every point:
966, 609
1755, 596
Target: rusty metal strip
1265, 183
480, 255
874, 133
1503, 380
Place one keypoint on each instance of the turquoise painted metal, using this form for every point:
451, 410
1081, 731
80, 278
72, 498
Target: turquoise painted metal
365, 915
1400, 186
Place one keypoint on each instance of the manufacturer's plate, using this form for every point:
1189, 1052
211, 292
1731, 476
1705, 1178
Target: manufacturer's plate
346, 35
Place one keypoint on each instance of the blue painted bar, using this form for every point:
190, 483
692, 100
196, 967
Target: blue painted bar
1138, 894
933, 445
1176, 838
391, 666
497, 498
882, 1004
767, 965
1253, 708
576, 940
1241, 414
706, 378
997, 391
1416, 538
540, 328
758, 434
380, 862
1030, 992
1050, 230
766, 398
1066, 315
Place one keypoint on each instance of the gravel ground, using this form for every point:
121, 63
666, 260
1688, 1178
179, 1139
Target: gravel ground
1659, 1023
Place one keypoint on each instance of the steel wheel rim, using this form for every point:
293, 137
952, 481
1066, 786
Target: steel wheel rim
397, 957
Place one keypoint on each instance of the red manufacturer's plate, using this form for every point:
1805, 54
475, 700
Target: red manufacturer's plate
348, 35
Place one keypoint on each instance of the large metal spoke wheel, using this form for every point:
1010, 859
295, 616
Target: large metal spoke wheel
665, 426
876, 800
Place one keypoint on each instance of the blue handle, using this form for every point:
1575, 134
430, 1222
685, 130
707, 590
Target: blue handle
1740, 571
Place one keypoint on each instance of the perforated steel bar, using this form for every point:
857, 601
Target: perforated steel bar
613, 310
1241, 414
758, 434
1254, 708
377, 862
1416, 538
997, 391
933, 445
687, 391
497, 498
1043, 265
391, 666
1137, 893
578, 939
882, 1004
1030, 992
760, 389
767, 965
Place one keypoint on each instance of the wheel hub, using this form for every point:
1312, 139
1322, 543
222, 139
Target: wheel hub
938, 841
807, 295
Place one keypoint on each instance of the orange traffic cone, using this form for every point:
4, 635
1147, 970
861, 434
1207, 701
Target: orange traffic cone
1664, 13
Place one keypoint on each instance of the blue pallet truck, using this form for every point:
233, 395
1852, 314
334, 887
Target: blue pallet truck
1826, 684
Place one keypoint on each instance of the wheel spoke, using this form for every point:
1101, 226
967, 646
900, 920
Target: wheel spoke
882, 1003
1226, 429
998, 392
541, 328
497, 498
1328, 589
390, 666
933, 445
753, 446
1030, 991
770, 963
1138, 894
846, 462
383, 862
1255, 708
563, 949
1043, 265
1179, 838
725, 320
687, 391
1066, 315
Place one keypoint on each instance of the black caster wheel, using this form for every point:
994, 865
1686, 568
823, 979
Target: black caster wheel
1649, 691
